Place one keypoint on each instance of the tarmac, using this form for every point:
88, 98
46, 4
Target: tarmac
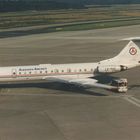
53, 111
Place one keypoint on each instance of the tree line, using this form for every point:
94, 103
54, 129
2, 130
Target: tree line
23, 5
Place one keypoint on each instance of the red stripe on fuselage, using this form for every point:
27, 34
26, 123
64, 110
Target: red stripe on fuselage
49, 74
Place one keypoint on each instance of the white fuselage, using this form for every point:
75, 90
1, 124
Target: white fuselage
128, 58
38, 72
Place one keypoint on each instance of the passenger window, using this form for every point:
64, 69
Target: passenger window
69, 70
56, 70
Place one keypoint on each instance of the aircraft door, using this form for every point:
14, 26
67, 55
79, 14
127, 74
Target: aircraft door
14, 73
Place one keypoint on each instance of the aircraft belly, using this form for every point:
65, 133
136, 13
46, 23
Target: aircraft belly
71, 76
8, 79
85, 75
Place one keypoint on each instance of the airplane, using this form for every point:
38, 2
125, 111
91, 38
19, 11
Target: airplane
81, 74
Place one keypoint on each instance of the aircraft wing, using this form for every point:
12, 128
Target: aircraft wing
85, 82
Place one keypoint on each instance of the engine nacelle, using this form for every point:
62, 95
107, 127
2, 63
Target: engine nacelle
110, 68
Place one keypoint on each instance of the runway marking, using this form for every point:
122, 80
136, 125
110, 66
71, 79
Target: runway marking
132, 100
46, 113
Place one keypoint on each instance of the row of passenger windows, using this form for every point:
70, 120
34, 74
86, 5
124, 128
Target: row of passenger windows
56, 71
41, 72
69, 70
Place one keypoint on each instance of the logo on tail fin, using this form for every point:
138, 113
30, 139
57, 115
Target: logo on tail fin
133, 51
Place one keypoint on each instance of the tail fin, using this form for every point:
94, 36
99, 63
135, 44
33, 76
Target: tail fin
129, 56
